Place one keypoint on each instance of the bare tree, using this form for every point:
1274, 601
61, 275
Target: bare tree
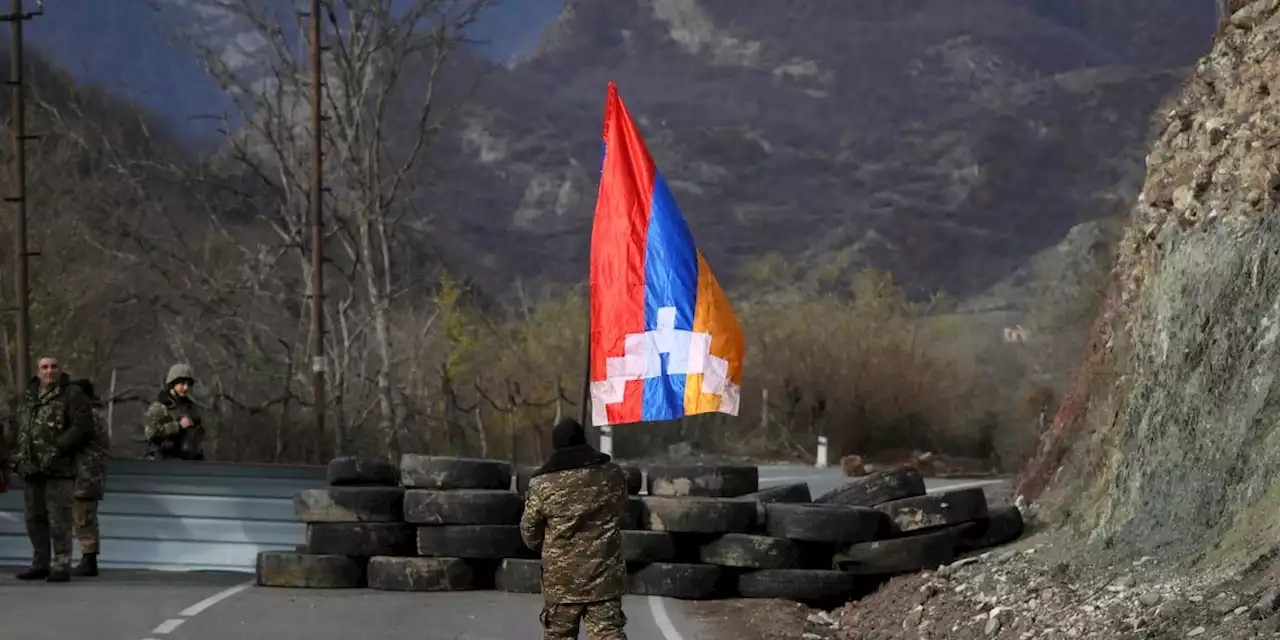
384, 68
188, 258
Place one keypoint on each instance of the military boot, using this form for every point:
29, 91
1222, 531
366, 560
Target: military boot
33, 573
88, 566
59, 575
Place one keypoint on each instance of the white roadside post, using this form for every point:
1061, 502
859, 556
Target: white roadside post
606, 440
821, 462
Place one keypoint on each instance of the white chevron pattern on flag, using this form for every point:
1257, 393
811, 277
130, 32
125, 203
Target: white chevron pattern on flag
689, 353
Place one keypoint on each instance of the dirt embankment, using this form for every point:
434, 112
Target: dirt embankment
1038, 589
1170, 444
1035, 588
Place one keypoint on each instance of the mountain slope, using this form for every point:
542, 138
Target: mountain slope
947, 141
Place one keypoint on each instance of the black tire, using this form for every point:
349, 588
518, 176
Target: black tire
788, 493
797, 493
462, 506
519, 576
350, 504
352, 471
442, 472
697, 515
832, 523
419, 574
365, 539
901, 555
634, 518
309, 571
672, 580
480, 542
648, 546
703, 480
877, 488
937, 509
1001, 526
795, 584
746, 551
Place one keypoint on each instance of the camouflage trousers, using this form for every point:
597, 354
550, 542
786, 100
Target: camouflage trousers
604, 620
84, 513
47, 511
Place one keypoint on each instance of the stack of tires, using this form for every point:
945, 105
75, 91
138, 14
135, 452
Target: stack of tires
465, 519
706, 531
358, 519
434, 523
723, 536
922, 530
702, 531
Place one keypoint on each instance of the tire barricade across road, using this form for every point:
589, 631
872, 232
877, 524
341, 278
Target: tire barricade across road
703, 531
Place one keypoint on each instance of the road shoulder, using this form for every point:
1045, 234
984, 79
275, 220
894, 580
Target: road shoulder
744, 619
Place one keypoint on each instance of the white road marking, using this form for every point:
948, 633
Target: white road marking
196, 609
965, 485
199, 607
168, 626
663, 620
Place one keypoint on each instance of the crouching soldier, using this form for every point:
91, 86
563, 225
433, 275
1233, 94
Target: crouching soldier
574, 514
91, 481
173, 421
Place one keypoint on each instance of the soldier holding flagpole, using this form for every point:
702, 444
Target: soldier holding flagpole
664, 343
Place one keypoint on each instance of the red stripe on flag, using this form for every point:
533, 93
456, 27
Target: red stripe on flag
618, 239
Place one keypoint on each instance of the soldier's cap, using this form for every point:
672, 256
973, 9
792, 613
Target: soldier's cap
568, 433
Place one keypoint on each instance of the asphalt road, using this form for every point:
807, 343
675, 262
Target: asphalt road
135, 605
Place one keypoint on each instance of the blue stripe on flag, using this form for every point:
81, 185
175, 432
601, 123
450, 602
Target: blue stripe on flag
671, 280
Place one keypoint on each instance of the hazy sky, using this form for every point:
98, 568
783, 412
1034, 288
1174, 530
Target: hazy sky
119, 43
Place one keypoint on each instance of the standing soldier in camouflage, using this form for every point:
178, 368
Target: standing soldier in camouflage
173, 421
574, 514
55, 421
91, 481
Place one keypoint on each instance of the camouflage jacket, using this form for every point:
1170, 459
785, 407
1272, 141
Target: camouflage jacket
575, 517
91, 462
163, 427
51, 427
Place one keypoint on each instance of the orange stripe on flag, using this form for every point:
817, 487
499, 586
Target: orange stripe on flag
712, 314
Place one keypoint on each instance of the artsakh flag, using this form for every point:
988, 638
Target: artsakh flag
664, 341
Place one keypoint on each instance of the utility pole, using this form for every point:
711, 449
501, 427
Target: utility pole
318, 359
18, 123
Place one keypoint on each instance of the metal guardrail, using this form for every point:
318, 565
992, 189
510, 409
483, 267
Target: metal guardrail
178, 515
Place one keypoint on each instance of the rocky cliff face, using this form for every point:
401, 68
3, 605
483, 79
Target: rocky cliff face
946, 141
1172, 438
